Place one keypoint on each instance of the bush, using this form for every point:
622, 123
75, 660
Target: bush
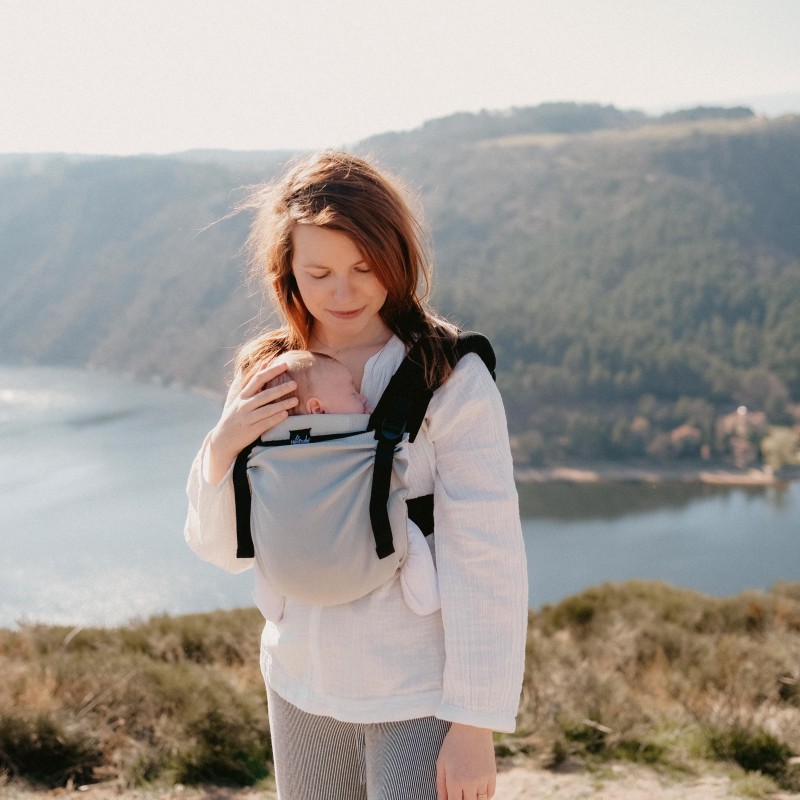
44, 750
755, 751
177, 699
588, 735
642, 752
225, 750
639, 671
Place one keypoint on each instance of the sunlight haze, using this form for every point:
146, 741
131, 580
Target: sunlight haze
95, 76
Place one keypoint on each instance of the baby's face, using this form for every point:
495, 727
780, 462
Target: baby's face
337, 391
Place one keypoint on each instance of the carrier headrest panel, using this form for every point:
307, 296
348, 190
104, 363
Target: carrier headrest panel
317, 425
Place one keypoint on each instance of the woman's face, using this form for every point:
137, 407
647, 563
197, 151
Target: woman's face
337, 285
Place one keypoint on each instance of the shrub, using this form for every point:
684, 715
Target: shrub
577, 611
755, 785
225, 749
640, 671
588, 735
642, 752
755, 751
44, 750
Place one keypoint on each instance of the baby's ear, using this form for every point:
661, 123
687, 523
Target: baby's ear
314, 406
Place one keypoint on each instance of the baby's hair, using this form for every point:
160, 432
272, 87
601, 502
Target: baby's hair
299, 366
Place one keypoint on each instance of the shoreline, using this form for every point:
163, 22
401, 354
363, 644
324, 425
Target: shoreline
610, 472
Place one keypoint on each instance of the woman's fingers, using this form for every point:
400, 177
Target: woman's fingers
264, 412
441, 783
264, 375
466, 765
274, 393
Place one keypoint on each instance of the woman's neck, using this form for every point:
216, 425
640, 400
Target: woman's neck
355, 352
334, 343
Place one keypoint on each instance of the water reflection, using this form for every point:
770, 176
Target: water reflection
718, 540
606, 500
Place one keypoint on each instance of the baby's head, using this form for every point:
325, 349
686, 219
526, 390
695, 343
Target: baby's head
324, 385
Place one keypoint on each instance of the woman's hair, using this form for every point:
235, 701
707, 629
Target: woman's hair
343, 193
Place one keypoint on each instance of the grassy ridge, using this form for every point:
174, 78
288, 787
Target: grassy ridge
639, 671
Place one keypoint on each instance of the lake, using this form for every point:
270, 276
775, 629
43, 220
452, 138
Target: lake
92, 503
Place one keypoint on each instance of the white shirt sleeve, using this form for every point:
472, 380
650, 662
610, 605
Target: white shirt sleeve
210, 529
480, 555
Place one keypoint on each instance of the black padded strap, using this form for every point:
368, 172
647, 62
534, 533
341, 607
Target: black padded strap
420, 512
379, 496
401, 410
405, 400
243, 500
471, 342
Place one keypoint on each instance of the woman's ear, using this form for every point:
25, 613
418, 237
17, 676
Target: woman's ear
314, 406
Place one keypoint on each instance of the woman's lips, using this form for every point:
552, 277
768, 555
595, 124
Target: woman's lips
345, 314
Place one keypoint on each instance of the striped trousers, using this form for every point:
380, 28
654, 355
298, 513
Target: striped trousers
321, 758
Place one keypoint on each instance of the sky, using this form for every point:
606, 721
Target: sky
158, 76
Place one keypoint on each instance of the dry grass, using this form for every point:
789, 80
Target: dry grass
169, 699
663, 676
656, 131
643, 672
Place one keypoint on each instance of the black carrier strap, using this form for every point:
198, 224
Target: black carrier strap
400, 410
243, 500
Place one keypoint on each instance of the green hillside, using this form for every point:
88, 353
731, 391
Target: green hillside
636, 275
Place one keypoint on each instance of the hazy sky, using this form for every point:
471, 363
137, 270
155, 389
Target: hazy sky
130, 76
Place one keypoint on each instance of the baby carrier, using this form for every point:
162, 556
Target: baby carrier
330, 515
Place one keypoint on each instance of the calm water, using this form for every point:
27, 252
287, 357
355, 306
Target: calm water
717, 540
92, 473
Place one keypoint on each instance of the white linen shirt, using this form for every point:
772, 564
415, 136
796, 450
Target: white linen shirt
374, 660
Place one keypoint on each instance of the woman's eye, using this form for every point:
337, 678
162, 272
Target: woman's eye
363, 269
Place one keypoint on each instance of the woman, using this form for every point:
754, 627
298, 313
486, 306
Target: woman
368, 699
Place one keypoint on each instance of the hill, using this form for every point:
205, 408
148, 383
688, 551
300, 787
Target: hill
637, 276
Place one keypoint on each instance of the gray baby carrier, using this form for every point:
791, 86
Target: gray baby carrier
322, 501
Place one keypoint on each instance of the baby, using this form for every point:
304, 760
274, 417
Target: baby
325, 386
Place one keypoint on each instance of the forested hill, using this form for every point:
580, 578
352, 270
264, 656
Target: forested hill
637, 276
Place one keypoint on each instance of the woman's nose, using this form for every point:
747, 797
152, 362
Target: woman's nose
343, 289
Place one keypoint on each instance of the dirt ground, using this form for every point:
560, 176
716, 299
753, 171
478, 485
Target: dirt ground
617, 782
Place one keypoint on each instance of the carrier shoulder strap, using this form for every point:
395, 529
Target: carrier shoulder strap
243, 501
405, 400
400, 410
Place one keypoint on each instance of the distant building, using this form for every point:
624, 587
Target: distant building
738, 434
685, 441
742, 423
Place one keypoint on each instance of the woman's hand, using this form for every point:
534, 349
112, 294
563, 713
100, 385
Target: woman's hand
247, 415
465, 768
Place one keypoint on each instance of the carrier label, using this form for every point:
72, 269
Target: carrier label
300, 437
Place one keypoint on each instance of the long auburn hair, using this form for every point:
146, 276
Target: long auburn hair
342, 192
